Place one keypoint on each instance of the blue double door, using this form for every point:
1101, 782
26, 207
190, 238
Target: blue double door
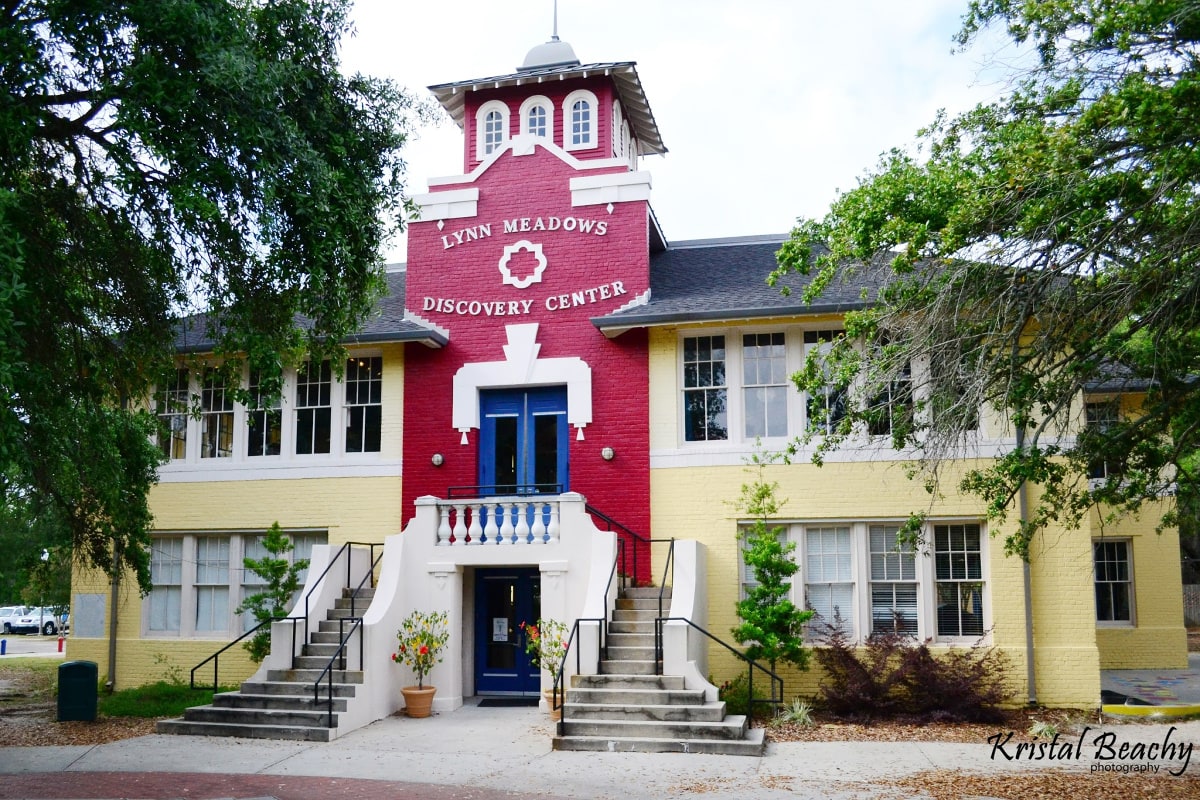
505, 597
523, 441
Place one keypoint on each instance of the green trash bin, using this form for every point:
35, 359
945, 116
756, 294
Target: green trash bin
77, 682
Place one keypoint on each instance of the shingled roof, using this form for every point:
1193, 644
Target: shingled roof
385, 323
725, 279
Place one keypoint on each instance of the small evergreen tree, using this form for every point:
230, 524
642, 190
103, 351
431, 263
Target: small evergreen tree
282, 579
772, 625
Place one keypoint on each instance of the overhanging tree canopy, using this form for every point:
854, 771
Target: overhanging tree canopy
161, 157
1035, 247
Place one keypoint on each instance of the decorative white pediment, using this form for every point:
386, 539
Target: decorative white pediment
521, 367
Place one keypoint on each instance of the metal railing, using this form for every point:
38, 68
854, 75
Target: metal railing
339, 656
776, 698
560, 688
479, 491
216, 657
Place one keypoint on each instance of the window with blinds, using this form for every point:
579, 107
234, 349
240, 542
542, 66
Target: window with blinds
829, 579
893, 582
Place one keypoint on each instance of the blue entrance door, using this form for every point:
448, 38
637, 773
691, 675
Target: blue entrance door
523, 439
504, 598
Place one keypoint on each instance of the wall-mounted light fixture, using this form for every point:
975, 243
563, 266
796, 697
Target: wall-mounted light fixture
608, 453
437, 459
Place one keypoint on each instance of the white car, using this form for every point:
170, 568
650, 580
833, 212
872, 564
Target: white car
9, 616
37, 620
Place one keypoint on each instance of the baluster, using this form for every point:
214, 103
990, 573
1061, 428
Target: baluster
443, 533
491, 531
475, 530
539, 523
552, 526
460, 524
523, 522
506, 527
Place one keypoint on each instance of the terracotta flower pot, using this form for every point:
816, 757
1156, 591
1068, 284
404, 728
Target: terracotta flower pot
555, 713
418, 702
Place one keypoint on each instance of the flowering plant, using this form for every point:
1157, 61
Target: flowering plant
545, 642
422, 637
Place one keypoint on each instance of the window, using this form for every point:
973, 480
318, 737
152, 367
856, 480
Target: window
747, 579
1100, 417
958, 570
491, 128
579, 120
892, 409
265, 420
1114, 581
535, 121
364, 409
171, 406
829, 577
827, 408
493, 133
252, 582
166, 573
704, 390
313, 410
212, 583
216, 417
893, 582
764, 376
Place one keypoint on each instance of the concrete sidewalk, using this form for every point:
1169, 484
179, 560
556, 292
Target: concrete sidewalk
488, 753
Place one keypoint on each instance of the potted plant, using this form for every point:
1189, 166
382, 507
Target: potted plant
422, 637
546, 644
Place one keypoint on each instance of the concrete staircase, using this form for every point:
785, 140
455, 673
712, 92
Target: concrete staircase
283, 706
629, 707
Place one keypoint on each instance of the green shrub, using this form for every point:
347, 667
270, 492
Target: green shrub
736, 694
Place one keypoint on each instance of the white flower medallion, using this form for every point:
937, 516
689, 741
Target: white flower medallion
533, 277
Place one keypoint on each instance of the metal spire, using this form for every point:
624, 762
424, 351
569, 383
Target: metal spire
554, 36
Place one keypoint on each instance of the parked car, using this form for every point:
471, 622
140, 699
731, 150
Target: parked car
37, 620
9, 616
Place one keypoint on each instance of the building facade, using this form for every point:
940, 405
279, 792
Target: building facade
548, 385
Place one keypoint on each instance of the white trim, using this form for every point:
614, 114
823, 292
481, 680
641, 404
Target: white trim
281, 470
481, 115
523, 145
451, 204
618, 187
593, 133
412, 316
537, 101
522, 367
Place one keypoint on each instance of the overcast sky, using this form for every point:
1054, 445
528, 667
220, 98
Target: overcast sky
785, 101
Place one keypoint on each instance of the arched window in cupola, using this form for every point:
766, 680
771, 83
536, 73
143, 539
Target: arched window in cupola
579, 120
537, 116
491, 125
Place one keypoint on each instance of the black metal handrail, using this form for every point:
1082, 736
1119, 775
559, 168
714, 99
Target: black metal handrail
216, 657
344, 549
560, 674
666, 571
370, 576
776, 698
620, 529
339, 655
480, 491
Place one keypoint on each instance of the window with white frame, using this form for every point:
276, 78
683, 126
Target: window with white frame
364, 404
171, 407
212, 584
252, 582
537, 117
1114, 580
825, 409
958, 571
491, 127
829, 578
892, 408
216, 417
764, 382
747, 580
1100, 416
893, 568
579, 120
314, 411
264, 419
166, 575
704, 389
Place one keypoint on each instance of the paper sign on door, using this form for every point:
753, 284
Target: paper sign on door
499, 629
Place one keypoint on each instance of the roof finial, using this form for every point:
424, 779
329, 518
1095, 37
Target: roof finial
554, 36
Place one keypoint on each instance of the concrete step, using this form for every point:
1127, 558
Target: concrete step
645, 593
630, 653
637, 682
630, 640
731, 728
295, 733
358, 605
752, 745
643, 604
344, 613
632, 626
628, 667
608, 695
278, 702
342, 626
310, 676
319, 663
326, 637
289, 718
291, 688
325, 649
622, 712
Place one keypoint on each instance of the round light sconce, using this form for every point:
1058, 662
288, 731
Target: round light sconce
437, 459
608, 453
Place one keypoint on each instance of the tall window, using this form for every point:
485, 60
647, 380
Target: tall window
212, 583
535, 121
216, 417
1114, 581
166, 573
1101, 416
829, 576
892, 409
704, 389
958, 564
493, 131
265, 420
252, 582
893, 582
581, 123
764, 376
313, 412
580, 112
827, 407
364, 409
171, 406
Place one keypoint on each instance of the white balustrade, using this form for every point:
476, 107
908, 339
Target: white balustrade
499, 521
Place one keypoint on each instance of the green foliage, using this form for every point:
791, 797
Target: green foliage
545, 643
422, 638
736, 694
161, 699
162, 158
282, 579
772, 625
798, 713
50, 580
1028, 249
